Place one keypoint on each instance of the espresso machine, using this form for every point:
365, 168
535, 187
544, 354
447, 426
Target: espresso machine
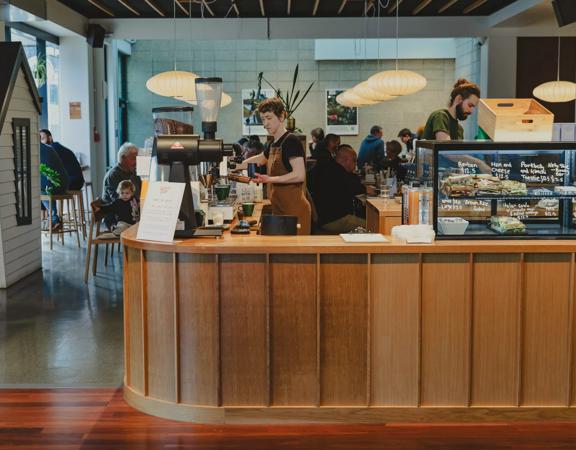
181, 152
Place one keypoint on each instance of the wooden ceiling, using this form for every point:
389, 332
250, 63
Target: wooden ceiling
282, 8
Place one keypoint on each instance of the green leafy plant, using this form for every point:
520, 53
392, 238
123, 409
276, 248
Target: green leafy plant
52, 176
39, 72
292, 99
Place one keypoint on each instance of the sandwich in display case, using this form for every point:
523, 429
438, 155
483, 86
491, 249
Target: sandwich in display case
500, 190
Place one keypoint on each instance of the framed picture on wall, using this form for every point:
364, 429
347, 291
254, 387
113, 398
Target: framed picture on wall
340, 119
251, 123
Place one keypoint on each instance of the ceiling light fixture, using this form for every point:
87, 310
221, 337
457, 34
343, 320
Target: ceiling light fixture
352, 100
397, 82
556, 91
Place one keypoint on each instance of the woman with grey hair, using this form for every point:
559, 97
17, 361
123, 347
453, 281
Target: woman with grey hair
125, 169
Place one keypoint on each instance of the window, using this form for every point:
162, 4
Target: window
22, 170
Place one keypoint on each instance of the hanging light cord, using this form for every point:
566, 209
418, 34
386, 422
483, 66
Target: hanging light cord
397, 27
174, 41
558, 70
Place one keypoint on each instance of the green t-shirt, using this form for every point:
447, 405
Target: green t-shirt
442, 120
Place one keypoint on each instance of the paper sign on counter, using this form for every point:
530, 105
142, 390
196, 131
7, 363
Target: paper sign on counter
160, 211
143, 165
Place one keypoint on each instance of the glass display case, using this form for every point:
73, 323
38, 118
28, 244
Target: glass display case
500, 190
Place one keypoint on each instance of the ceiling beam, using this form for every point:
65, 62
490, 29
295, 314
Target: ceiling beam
447, 5
510, 11
235, 6
101, 7
342, 5
368, 7
289, 7
315, 10
128, 6
423, 4
262, 8
396, 3
207, 6
152, 5
473, 6
184, 10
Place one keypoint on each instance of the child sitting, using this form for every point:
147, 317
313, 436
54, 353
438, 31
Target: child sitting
124, 209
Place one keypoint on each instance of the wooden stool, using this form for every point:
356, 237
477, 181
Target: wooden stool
79, 207
72, 225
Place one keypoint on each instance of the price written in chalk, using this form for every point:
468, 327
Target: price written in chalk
501, 169
545, 173
468, 168
464, 205
523, 210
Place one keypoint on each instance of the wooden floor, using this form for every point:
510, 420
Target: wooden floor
89, 419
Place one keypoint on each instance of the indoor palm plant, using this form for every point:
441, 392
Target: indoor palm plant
291, 99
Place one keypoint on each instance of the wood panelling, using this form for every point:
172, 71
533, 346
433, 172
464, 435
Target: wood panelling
243, 325
293, 330
160, 331
495, 322
134, 319
445, 330
395, 295
547, 297
199, 329
343, 328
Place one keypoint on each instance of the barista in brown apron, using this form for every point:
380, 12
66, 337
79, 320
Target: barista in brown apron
288, 199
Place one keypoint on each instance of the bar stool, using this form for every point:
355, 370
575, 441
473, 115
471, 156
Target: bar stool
70, 226
79, 208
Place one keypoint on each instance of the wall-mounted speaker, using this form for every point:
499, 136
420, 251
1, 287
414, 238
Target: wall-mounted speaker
565, 11
95, 35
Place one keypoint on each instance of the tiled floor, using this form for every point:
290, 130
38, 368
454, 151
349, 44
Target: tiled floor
57, 331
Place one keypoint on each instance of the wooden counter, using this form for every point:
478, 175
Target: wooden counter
382, 215
309, 329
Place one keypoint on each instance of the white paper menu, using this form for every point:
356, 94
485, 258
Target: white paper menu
160, 211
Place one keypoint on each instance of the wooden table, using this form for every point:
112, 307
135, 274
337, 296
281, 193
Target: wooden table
260, 329
382, 215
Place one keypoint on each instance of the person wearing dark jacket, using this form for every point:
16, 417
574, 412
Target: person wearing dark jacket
372, 149
335, 186
68, 158
326, 148
49, 157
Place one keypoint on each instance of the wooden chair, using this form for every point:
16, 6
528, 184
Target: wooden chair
68, 226
95, 240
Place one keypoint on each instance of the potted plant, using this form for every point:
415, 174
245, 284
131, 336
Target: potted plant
292, 99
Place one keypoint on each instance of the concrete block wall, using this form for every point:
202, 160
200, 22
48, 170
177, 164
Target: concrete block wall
468, 66
238, 63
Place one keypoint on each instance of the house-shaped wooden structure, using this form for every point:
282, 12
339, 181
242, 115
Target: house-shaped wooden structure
20, 234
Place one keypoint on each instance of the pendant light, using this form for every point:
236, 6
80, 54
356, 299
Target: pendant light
364, 91
173, 83
226, 100
397, 82
351, 100
556, 91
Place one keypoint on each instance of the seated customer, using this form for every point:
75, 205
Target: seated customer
124, 210
392, 164
71, 164
335, 187
53, 180
125, 169
325, 149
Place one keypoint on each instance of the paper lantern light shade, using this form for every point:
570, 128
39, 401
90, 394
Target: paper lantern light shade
365, 91
352, 100
174, 83
226, 100
556, 91
397, 82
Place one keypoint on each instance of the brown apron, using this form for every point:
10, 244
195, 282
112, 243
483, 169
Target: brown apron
287, 199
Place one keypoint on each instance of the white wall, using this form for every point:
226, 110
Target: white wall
468, 66
75, 86
501, 68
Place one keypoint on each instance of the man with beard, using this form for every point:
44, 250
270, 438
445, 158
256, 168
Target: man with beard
442, 125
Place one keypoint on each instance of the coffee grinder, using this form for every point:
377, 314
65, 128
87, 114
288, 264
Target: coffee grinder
179, 152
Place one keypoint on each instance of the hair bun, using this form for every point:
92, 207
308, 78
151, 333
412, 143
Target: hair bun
460, 82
